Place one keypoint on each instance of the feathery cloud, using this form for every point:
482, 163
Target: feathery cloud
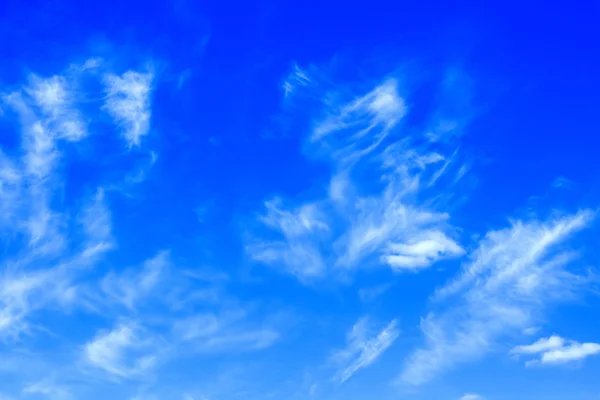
126, 351
513, 275
229, 332
128, 102
297, 78
131, 286
49, 389
391, 220
56, 99
299, 248
363, 348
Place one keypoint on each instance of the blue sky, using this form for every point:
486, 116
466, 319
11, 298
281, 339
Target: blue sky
328, 201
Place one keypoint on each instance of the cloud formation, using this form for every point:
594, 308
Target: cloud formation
363, 348
387, 217
297, 78
51, 245
512, 277
128, 102
556, 350
126, 351
131, 286
228, 332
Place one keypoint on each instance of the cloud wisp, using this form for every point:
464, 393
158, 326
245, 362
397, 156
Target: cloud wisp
54, 241
363, 348
471, 396
512, 277
381, 206
128, 102
226, 332
126, 351
51, 248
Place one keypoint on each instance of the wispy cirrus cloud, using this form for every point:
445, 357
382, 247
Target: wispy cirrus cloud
126, 351
49, 389
300, 248
371, 293
57, 99
57, 218
381, 205
128, 102
297, 78
555, 350
132, 285
363, 348
226, 332
188, 311
512, 277
95, 219
52, 242
33, 282
43, 108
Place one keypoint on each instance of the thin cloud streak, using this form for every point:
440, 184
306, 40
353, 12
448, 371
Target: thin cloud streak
511, 278
363, 348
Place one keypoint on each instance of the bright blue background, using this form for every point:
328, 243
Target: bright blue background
226, 141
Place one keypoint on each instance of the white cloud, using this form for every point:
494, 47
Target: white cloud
38, 280
131, 286
56, 99
22, 293
363, 348
421, 252
471, 396
96, 222
54, 244
128, 102
10, 189
299, 249
540, 346
48, 389
513, 275
531, 330
371, 293
556, 350
46, 107
297, 78
357, 128
563, 183
226, 332
47, 111
572, 352
379, 207
126, 351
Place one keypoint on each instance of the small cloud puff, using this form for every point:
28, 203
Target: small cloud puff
556, 350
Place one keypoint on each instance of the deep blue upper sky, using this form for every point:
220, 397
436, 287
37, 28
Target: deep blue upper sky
317, 200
